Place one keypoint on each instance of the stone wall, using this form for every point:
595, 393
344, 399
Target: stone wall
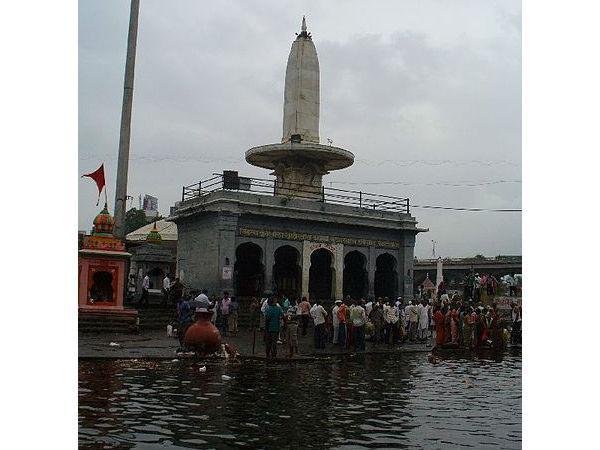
198, 252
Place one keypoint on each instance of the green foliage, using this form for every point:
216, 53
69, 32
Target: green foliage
134, 219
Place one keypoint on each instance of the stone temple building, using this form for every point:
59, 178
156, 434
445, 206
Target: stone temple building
288, 234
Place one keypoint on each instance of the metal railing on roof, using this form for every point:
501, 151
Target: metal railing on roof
230, 181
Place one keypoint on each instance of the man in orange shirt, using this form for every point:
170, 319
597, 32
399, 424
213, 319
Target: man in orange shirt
304, 307
341, 316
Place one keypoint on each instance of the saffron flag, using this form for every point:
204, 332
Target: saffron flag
98, 177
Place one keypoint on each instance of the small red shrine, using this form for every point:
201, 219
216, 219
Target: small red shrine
103, 267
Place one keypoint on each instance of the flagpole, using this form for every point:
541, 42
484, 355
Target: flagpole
124, 138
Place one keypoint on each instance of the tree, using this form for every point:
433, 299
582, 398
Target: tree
134, 219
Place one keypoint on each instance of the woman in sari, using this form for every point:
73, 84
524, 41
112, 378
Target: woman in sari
484, 330
476, 324
467, 328
448, 325
495, 329
440, 322
454, 325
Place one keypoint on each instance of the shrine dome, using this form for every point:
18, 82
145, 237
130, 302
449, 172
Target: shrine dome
104, 223
154, 236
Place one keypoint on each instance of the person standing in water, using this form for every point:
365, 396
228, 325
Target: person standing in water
342, 319
304, 314
440, 325
359, 319
273, 315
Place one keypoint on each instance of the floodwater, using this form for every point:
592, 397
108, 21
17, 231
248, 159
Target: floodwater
356, 402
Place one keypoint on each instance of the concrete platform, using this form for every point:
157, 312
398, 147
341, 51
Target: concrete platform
157, 345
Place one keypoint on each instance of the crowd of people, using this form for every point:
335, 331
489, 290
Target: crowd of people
450, 322
172, 290
476, 286
225, 312
466, 324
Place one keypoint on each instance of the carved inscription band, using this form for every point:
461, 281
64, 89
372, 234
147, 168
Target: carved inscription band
293, 236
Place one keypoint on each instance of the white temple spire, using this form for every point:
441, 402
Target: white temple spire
301, 94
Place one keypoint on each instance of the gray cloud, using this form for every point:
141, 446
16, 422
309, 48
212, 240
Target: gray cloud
400, 82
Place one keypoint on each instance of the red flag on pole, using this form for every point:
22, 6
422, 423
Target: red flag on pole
98, 177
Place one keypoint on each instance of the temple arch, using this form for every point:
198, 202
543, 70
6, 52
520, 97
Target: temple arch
321, 275
248, 270
386, 277
356, 282
287, 274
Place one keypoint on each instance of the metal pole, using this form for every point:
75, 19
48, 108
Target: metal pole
124, 139
183, 193
360, 200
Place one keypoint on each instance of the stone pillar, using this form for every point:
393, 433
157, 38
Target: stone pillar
268, 261
406, 266
371, 265
305, 267
227, 229
338, 265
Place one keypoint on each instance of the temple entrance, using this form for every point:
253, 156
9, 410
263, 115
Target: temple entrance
386, 278
356, 281
156, 276
287, 274
248, 270
102, 289
320, 275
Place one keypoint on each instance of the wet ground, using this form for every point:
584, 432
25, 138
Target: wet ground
396, 400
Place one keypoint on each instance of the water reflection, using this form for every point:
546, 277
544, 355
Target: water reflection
362, 401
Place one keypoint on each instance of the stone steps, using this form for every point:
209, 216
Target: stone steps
156, 317
103, 322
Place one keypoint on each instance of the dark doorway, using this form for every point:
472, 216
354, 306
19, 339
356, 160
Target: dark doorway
287, 272
156, 276
386, 278
102, 289
320, 275
248, 270
356, 280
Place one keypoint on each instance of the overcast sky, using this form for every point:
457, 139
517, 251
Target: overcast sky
426, 94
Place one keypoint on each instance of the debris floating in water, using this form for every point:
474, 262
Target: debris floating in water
225, 377
175, 360
202, 369
114, 344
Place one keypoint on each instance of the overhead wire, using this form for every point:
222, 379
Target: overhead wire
368, 162
439, 183
449, 208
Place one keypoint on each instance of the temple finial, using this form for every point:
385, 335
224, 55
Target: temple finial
303, 24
